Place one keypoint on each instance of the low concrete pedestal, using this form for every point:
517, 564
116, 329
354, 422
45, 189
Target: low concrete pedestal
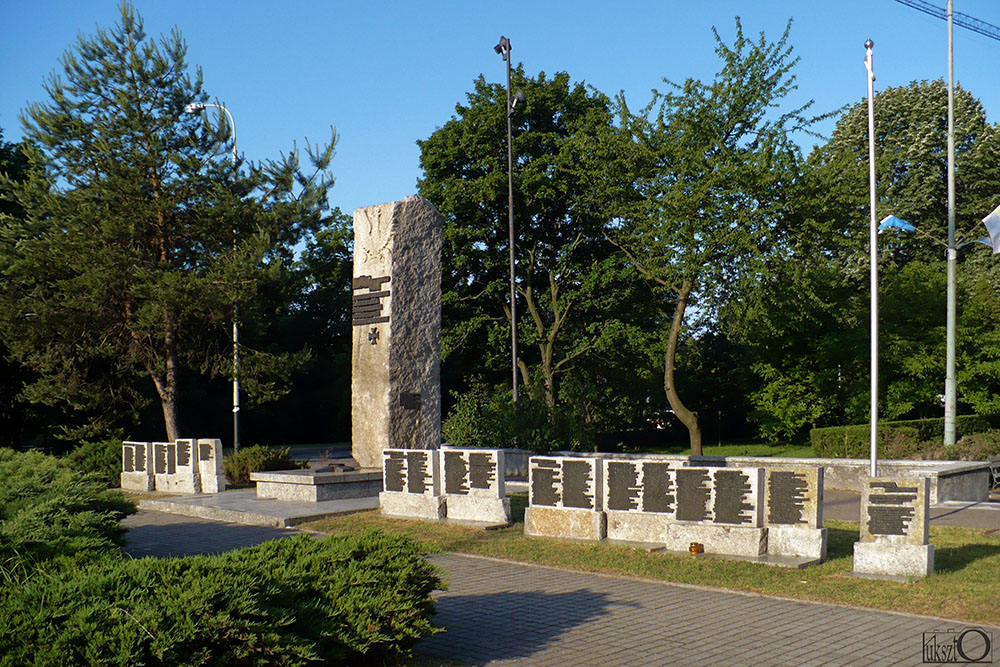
313, 486
725, 540
893, 560
795, 541
412, 505
565, 523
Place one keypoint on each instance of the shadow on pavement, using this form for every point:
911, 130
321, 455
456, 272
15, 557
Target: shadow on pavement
509, 626
194, 537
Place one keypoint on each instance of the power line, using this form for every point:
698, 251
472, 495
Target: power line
964, 20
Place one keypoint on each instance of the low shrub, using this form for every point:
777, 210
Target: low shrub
904, 437
100, 457
50, 511
258, 458
483, 417
339, 600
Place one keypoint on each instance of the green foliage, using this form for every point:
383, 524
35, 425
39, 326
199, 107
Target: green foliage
579, 309
102, 458
49, 511
257, 458
853, 442
715, 172
136, 244
487, 418
286, 602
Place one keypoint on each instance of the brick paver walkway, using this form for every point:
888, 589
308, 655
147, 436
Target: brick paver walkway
498, 613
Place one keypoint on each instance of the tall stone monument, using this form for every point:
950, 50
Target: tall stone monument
396, 319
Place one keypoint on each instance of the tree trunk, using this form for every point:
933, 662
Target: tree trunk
166, 386
687, 417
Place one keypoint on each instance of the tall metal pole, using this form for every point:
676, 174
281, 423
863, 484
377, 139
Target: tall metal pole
503, 48
197, 107
950, 389
873, 257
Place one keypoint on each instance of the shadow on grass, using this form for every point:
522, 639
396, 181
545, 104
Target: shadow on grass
840, 542
518, 502
954, 559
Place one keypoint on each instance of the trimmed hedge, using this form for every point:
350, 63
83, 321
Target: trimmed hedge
297, 601
853, 442
258, 458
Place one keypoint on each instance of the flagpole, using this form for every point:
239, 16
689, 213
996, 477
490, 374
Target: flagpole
950, 388
873, 258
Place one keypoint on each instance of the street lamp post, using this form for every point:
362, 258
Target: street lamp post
503, 49
198, 107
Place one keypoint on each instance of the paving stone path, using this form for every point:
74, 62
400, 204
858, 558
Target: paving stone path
500, 613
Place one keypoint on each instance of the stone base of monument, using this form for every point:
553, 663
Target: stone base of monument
478, 511
412, 505
136, 481
724, 540
893, 560
177, 484
313, 486
213, 483
637, 527
564, 523
792, 541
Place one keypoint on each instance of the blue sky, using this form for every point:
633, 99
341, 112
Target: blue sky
386, 74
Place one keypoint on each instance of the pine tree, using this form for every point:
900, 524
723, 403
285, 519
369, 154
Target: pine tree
139, 240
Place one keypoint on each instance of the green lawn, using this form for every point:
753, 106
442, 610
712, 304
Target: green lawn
964, 586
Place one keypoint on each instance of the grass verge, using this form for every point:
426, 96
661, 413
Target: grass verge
964, 586
794, 450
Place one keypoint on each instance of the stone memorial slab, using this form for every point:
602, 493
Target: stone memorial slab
474, 486
793, 512
720, 508
396, 322
164, 465
137, 466
565, 498
186, 477
209, 454
412, 484
640, 499
894, 539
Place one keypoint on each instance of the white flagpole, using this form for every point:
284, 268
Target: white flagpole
873, 252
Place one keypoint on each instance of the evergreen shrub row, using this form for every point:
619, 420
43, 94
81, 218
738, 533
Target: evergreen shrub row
903, 438
68, 595
339, 600
258, 458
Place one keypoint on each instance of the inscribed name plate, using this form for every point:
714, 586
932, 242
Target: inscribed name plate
396, 323
794, 496
473, 482
565, 497
640, 499
895, 510
730, 496
209, 455
137, 469
412, 484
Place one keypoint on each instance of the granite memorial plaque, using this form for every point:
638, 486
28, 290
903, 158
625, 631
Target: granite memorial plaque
694, 490
794, 511
623, 485
545, 482
412, 484
894, 516
565, 498
213, 478
787, 494
735, 500
658, 488
135, 474
474, 486
396, 323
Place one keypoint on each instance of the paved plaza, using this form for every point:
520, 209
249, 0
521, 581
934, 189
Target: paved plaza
497, 613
